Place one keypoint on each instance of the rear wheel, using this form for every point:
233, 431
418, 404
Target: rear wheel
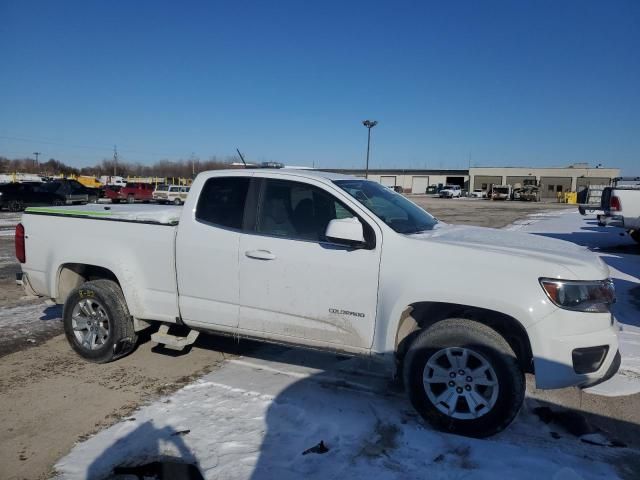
97, 322
463, 377
131, 199
58, 203
15, 206
177, 201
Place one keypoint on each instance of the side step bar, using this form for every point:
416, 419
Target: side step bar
173, 342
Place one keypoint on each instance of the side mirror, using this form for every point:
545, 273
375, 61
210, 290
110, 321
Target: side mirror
346, 231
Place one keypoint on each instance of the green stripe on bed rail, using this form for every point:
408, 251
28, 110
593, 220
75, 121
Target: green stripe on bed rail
60, 211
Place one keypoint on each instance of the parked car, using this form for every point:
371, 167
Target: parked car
501, 192
450, 191
621, 207
333, 262
16, 197
71, 191
135, 192
478, 193
175, 194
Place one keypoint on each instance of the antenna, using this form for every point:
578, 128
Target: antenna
241, 157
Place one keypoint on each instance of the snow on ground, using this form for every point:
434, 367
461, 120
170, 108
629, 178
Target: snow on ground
28, 324
622, 255
254, 417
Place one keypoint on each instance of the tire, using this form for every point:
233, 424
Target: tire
115, 200
635, 234
131, 199
105, 299
177, 201
15, 206
499, 404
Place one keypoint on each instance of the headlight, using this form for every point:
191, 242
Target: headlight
590, 296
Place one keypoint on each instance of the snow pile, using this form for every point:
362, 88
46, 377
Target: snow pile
253, 419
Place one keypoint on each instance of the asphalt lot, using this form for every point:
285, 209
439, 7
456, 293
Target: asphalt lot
49, 398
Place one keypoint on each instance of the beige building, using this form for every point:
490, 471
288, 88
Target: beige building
551, 180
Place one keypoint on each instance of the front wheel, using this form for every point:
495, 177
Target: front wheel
177, 201
464, 378
131, 199
97, 322
635, 234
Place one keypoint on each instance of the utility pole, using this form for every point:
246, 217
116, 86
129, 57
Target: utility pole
115, 160
369, 124
193, 166
37, 154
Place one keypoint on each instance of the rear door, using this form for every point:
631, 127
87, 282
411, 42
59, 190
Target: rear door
297, 286
207, 253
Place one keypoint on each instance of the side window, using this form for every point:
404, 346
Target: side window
222, 201
298, 210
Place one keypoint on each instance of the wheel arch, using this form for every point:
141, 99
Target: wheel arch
420, 315
72, 275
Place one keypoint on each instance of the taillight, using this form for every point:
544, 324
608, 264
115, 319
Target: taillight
21, 253
614, 204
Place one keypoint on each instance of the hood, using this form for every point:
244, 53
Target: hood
581, 262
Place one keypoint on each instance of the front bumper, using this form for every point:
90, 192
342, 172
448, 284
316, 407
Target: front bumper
559, 344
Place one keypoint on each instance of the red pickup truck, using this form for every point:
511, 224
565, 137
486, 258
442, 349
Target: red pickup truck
132, 192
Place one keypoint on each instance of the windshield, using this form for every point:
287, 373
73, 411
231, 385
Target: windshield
392, 208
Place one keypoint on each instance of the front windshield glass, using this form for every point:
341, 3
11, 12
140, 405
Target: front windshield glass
392, 208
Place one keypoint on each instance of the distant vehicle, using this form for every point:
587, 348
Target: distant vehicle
621, 206
450, 191
501, 192
478, 193
528, 193
15, 197
89, 181
175, 194
113, 181
135, 192
72, 192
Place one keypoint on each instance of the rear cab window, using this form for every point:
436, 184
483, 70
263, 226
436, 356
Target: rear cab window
222, 201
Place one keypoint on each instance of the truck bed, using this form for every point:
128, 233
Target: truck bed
134, 242
154, 214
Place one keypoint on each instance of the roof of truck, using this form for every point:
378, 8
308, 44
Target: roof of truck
300, 172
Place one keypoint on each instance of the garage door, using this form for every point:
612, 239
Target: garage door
419, 184
586, 181
483, 181
515, 180
551, 186
388, 181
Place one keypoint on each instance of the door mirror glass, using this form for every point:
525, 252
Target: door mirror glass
346, 231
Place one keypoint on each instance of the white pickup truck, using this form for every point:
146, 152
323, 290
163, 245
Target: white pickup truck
621, 206
339, 263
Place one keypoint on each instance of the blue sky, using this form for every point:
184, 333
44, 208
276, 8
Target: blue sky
540, 83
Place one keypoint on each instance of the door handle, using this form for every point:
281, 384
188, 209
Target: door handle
260, 254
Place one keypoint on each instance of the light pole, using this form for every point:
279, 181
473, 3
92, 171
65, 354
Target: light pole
37, 154
369, 124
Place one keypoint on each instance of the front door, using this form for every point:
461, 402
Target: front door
294, 283
207, 253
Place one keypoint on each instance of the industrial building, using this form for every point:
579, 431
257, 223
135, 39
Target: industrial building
551, 180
